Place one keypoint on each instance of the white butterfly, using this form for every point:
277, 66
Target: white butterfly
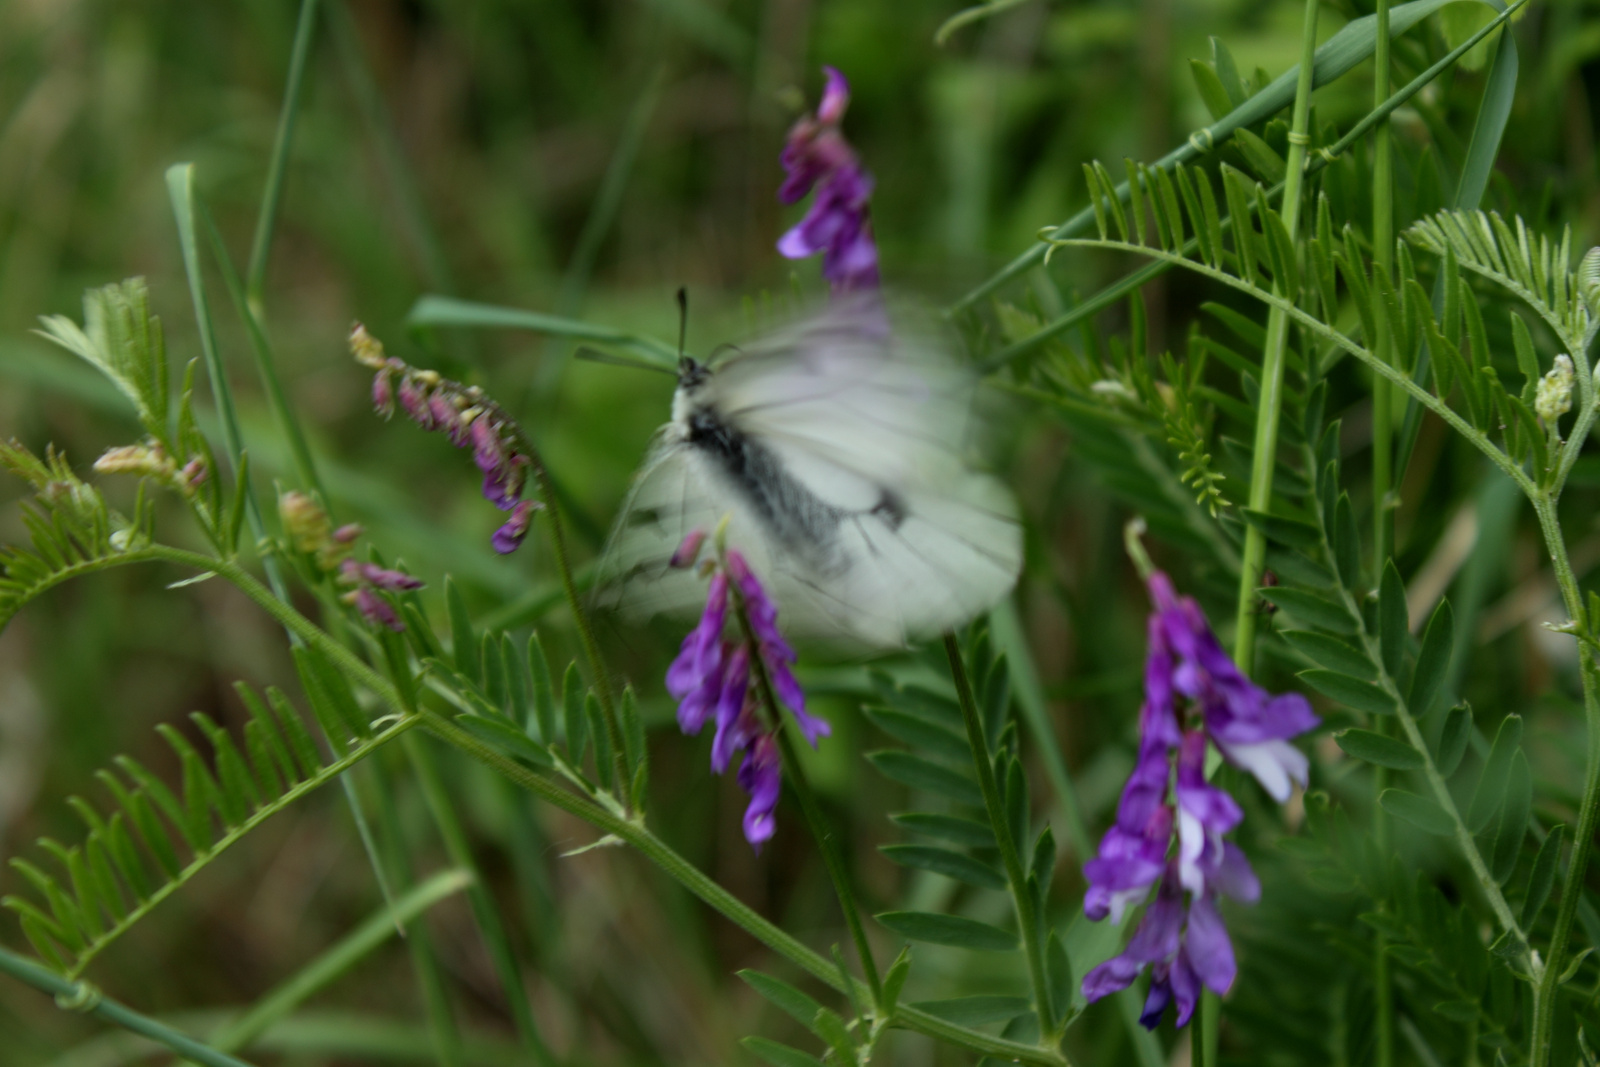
838, 450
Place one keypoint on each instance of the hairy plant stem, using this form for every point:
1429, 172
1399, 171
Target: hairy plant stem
1382, 486
816, 821
1545, 989
81, 996
629, 829
1016, 875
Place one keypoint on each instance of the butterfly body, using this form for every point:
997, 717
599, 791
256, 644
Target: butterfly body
837, 453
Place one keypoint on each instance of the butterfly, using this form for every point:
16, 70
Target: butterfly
836, 450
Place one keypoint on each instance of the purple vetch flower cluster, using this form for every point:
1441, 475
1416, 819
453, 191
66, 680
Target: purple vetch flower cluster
817, 156
468, 417
1193, 694
325, 550
711, 678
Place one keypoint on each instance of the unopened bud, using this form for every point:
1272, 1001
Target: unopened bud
146, 461
1553, 398
193, 475
347, 533
305, 522
689, 551
367, 349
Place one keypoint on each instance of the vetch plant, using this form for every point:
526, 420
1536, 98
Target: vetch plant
1323, 425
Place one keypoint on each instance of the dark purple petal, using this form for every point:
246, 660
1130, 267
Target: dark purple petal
701, 654
735, 725
1144, 797
383, 394
1112, 976
394, 581
1155, 1002
1126, 866
760, 775
1157, 937
509, 536
414, 399
1207, 946
1185, 988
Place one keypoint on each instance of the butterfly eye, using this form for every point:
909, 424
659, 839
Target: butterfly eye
690, 372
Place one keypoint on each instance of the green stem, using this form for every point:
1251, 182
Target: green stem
1022, 898
630, 830
1264, 455
82, 996
1589, 808
1382, 483
304, 31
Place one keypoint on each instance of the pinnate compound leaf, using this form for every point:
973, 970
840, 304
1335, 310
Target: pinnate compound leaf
1376, 748
953, 930
1422, 812
1352, 692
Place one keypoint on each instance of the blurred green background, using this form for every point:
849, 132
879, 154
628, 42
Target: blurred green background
585, 159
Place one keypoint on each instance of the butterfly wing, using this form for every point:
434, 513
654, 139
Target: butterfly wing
854, 499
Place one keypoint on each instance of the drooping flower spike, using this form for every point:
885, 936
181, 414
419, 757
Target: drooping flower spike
838, 225
468, 417
712, 675
1168, 835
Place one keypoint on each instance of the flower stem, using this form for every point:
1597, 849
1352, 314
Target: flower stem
1021, 896
1589, 808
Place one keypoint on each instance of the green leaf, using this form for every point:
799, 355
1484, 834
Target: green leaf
1433, 660
1331, 652
1491, 792
1527, 358
1543, 877
1311, 609
1394, 626
1422, 812
1212, 93
1376, 748
604, 758
1058, 973
1513, 819
1263, 159
572, 713
1352, 692
951, 828
831, 1028
1346, 543
632, 731
544, 698
976, 1011
779, 1055
918, 773
894, 980
797, 1004
504, 737
953, 930
919, 732
463, 642
1453, 739
943, 861
1287, 531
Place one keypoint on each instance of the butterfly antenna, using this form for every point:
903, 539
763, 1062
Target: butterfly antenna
683, 318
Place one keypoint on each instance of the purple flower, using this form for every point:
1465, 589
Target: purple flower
711, 676
695, 677
1181, 937
760, 775
688, 551
376, 609
1249, 726
352, 571
508, 537
837, 225
383, 393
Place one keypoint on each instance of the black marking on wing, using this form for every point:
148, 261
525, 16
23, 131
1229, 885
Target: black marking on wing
793, 515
